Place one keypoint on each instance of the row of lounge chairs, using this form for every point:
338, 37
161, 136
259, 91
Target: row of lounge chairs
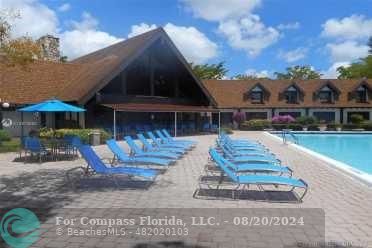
163, 151
238, 164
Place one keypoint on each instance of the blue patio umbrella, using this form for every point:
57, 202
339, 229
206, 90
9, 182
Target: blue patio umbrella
52, 105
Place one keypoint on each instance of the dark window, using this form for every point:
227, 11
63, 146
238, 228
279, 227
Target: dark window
365, 115
256, 115
291, 97
325, 116
362, 94
256, 97
326, 96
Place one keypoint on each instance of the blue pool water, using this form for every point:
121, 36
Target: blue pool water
352, 149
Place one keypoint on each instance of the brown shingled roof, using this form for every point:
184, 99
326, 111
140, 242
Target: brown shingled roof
74, 81
230, 93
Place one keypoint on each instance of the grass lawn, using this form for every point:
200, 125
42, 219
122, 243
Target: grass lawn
10, 146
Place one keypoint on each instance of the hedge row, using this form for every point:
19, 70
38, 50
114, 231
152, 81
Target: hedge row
258, 125
83, 134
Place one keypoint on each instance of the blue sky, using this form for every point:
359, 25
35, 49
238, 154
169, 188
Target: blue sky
251, 36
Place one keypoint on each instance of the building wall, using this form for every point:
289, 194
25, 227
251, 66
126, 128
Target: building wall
15, 124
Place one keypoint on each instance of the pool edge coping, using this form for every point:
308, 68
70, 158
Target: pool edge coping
346, 169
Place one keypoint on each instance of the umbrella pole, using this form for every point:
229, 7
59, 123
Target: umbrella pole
115, 124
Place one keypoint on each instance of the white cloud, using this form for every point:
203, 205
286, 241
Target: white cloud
218, 10
64, 7
288, 26
259, 74
352, 27
192, 43
36, 18
332, 73
85, 37
141, 28
293, 55
248, 34
347, 51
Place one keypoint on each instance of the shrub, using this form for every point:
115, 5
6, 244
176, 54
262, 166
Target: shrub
282, 119
279, 127
313, 127
306, 120
12, 145
257, 124
227, 130
4, 136
295, 127
83, 134
333, 126
349, 127
367, 126
356, 119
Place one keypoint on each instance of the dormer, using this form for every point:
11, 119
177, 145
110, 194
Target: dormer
257, 94
361, 93
292, 94
327, 93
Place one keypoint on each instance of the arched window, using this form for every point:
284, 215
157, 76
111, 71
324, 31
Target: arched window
362, 94
256, 95
291, 95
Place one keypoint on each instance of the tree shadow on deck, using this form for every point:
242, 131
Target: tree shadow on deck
251, 195
49, 189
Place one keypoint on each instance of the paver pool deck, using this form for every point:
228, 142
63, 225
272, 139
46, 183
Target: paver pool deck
347, 203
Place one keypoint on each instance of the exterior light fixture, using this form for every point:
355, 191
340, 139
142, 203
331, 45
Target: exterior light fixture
5, 105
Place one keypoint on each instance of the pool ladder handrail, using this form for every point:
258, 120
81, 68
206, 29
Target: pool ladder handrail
289, 131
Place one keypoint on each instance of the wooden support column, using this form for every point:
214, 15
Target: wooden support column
114, 124
175, 124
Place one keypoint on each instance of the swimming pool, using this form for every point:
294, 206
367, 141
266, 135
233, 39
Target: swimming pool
354, 150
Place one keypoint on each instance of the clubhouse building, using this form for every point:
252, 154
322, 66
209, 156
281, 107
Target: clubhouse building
145, 82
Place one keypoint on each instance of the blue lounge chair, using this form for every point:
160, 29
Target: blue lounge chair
238, 142
96, 166
249, 157
136, 150
164, 145
242, 150
164, 140
171, 139
254, 167
246, 180
148, 147
33, 146
122, 157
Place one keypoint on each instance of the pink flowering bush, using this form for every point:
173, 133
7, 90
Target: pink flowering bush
282, 119
239, 117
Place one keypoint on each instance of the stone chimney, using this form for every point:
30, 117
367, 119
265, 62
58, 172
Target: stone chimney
49, 48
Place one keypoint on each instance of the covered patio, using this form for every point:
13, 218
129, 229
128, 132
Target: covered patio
180, 120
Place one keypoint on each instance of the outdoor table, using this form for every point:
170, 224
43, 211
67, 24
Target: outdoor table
58, 147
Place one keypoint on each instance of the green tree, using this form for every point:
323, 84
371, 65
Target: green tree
210, 71
370, 45
360, 69
298, 72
